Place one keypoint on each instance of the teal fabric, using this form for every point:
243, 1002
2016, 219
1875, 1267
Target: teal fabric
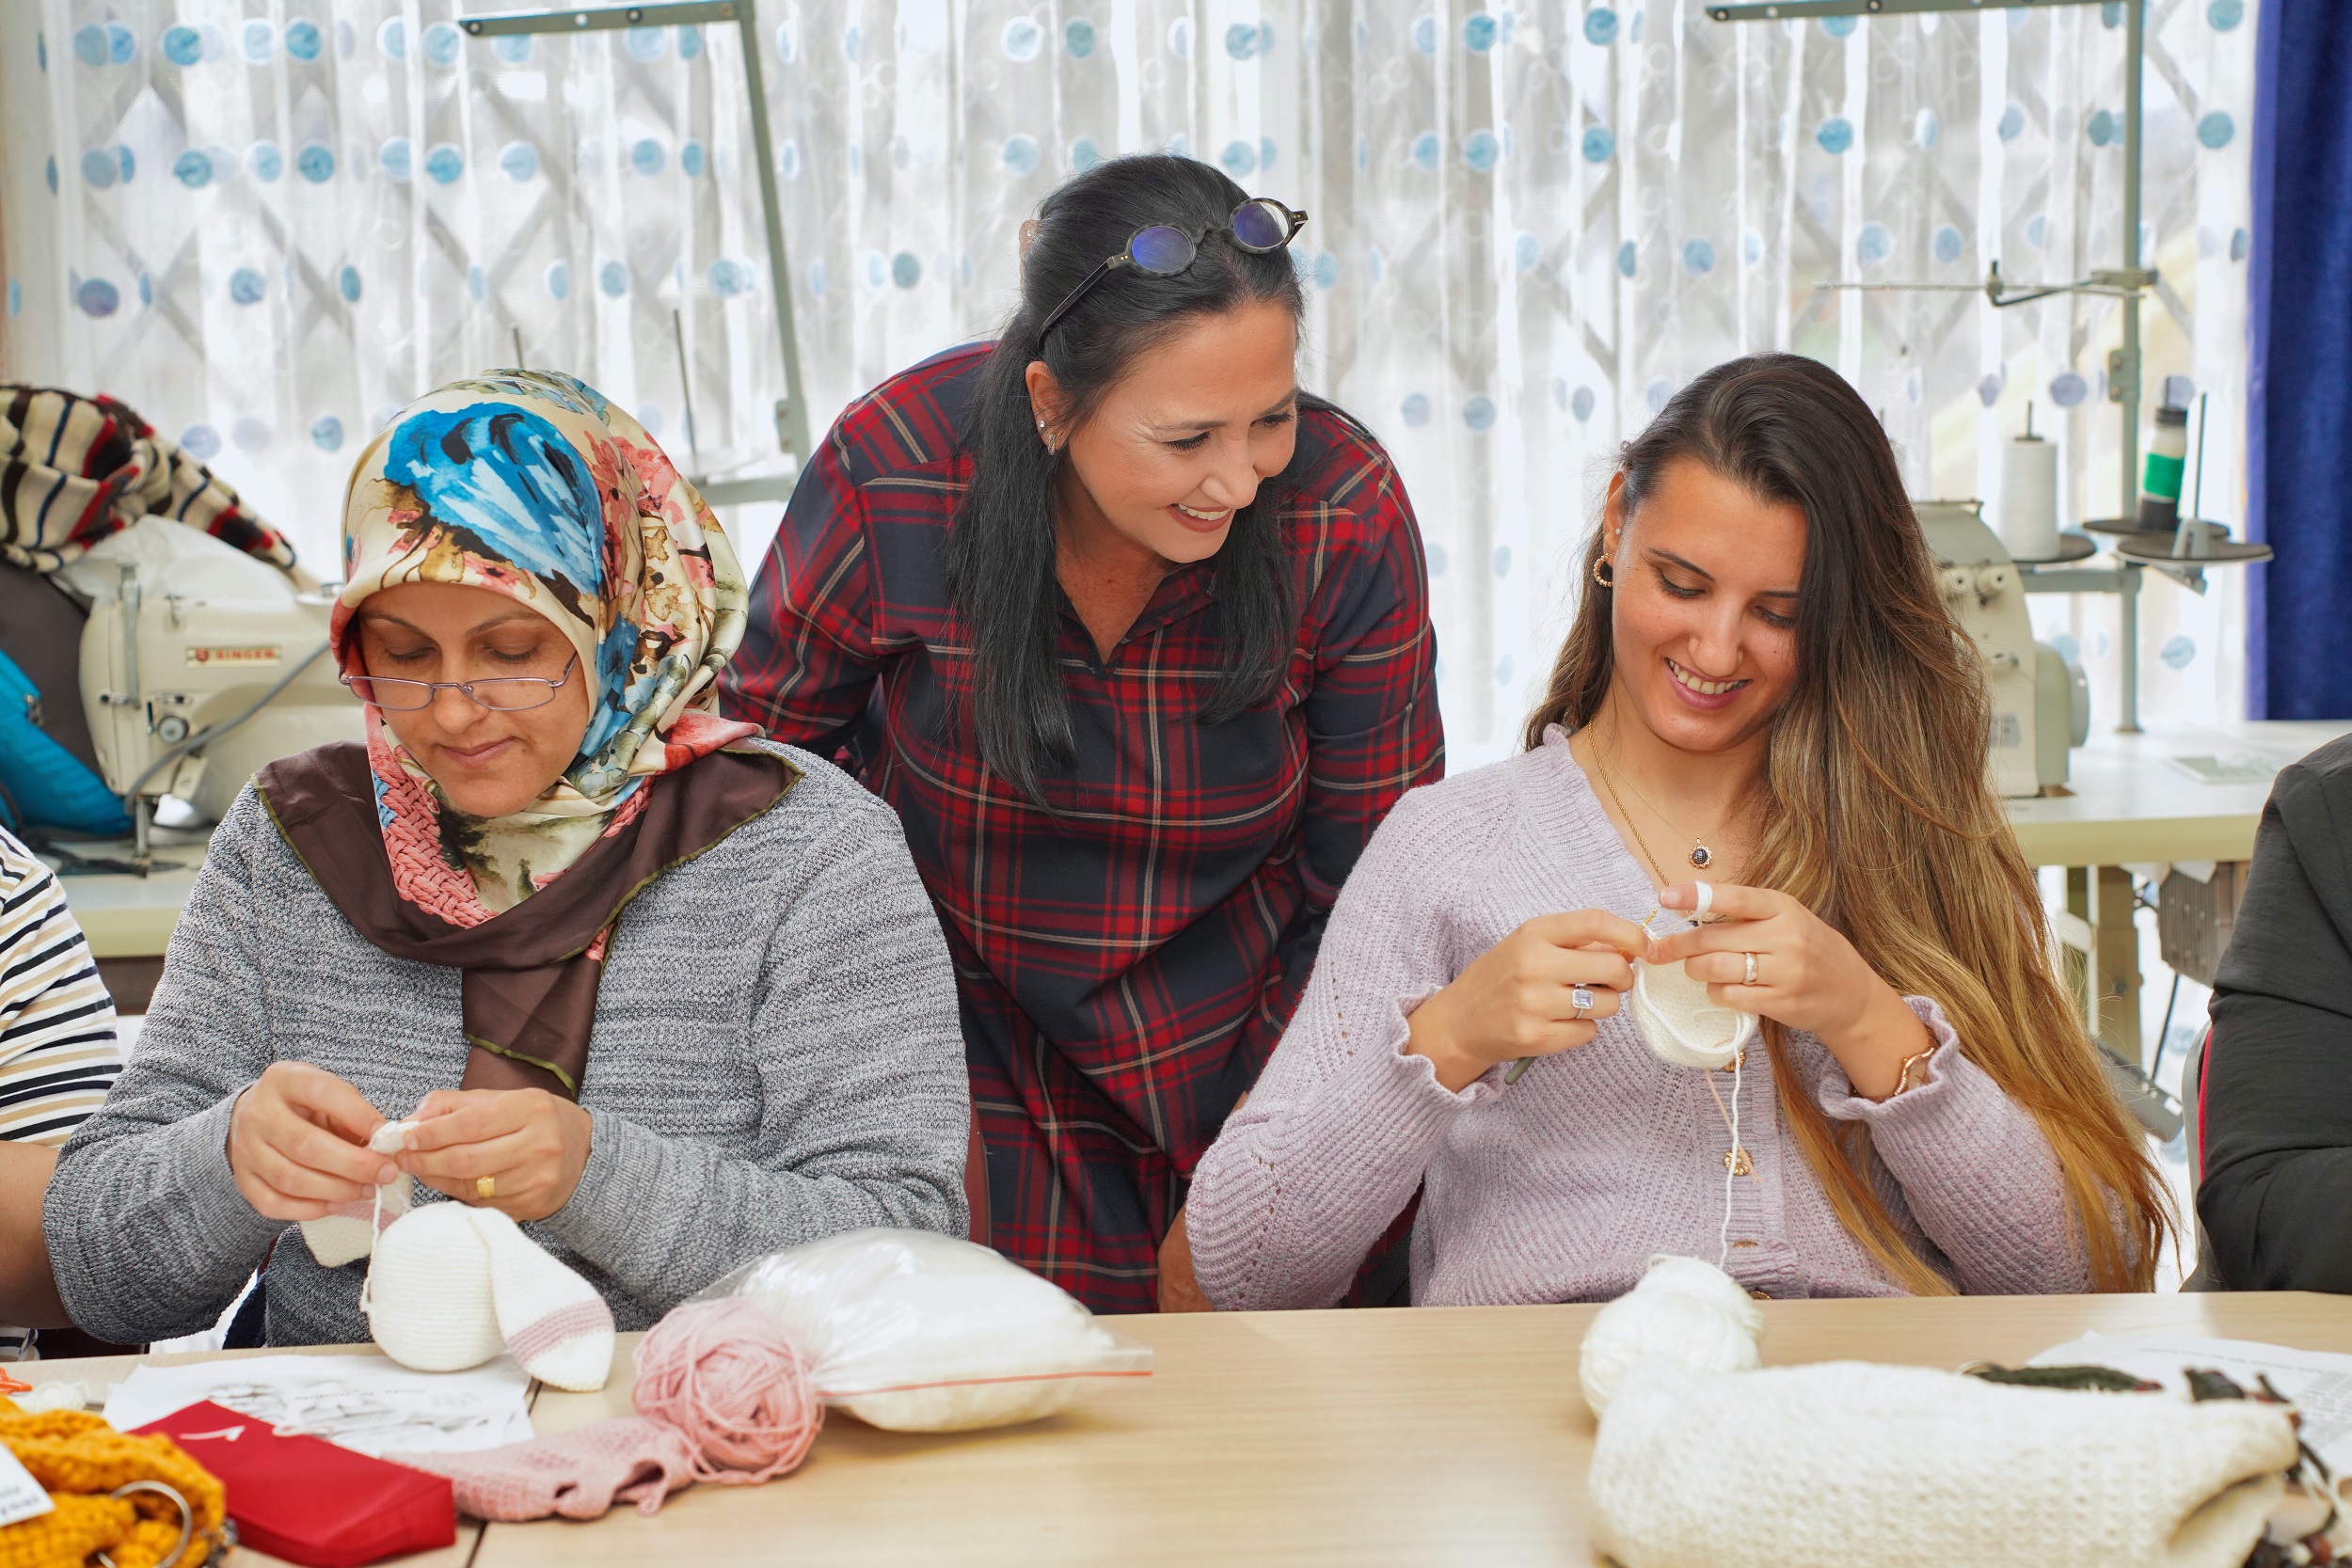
48, 785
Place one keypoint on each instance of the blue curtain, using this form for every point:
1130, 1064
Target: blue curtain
2300, 400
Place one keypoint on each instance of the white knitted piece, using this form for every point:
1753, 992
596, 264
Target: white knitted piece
1679, 1022
391, 1138
346, 1233
554, 1323
1847, 1463
451, 1287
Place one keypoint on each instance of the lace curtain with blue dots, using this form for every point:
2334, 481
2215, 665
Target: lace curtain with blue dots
275, 220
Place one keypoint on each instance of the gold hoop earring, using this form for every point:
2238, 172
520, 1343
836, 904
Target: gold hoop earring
1609, 581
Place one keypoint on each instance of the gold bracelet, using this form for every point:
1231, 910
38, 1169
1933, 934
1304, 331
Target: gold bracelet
1918, 1059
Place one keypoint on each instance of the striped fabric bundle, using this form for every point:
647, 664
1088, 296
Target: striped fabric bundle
58, 1055
58, 1051
74, 470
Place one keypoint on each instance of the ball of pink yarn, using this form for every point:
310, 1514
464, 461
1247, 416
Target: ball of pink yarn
727, 1377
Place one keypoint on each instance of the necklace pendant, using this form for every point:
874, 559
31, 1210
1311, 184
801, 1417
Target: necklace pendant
1737, 1163
1702, 857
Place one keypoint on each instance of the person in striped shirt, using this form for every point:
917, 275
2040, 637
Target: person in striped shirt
59, 1057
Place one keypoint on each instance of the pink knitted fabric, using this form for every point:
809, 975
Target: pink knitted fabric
723, 1394
579, 1474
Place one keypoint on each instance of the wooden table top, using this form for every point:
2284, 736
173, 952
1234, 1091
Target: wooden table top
1429, 1436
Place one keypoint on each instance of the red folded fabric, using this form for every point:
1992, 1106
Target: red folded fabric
579, 1474
308, 1500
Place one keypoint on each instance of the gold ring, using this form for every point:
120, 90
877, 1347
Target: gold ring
486, 1187
1750, 978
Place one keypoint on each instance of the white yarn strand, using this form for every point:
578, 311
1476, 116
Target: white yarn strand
1685, 1311
391, 1138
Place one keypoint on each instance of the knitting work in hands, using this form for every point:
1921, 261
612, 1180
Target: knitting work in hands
347, 1232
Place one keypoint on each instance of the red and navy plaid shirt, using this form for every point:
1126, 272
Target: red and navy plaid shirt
1127, 963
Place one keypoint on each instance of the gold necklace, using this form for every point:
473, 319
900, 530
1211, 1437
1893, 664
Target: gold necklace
1700, 857
1631, 827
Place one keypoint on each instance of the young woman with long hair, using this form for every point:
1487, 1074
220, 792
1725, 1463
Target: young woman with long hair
1134, 638
1763, 690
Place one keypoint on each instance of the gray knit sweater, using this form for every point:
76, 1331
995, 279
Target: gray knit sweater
1559, 1187
776, 1058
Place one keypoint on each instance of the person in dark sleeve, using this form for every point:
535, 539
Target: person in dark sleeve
2277, 1196
1133, 636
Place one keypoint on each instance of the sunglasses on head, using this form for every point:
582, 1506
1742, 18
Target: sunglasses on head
1163, 250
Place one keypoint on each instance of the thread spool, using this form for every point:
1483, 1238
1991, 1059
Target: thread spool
2028, 520
727, 1376
1685, 1311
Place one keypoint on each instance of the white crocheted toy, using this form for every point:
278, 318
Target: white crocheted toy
451, 1287
1852, 1465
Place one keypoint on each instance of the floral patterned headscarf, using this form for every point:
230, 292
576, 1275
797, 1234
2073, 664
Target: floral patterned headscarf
529, 483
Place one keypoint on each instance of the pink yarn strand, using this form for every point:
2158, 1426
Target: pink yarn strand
724, 1373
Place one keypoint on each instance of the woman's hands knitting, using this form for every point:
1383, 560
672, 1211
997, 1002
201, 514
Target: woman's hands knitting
1808, 976
297, 1143
1515, 999
533, 1146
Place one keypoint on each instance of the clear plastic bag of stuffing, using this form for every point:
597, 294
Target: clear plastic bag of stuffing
919, 1332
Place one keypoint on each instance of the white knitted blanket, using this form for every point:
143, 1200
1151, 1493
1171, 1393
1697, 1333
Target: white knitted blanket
1847, 1463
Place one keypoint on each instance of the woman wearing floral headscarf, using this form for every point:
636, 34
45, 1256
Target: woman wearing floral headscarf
499, 917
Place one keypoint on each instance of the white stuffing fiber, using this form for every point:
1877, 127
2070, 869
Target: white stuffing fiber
918, 1332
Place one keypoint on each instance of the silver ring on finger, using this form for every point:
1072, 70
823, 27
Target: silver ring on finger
1749, 978
1581, 998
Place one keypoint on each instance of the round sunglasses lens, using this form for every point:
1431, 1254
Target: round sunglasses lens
1261, 226
1161, 249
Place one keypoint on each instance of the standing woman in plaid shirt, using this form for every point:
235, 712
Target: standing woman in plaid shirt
1135, 637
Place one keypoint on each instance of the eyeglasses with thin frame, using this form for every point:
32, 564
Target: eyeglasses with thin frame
501, 694
1164, 250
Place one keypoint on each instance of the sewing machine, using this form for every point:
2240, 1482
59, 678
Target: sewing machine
198, 665
2041, 704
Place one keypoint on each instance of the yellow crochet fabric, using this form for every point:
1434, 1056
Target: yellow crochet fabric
78, 1459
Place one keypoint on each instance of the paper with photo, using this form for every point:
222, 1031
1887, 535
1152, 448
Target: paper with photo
361, 1401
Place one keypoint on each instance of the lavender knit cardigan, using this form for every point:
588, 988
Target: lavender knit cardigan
1562, 1186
